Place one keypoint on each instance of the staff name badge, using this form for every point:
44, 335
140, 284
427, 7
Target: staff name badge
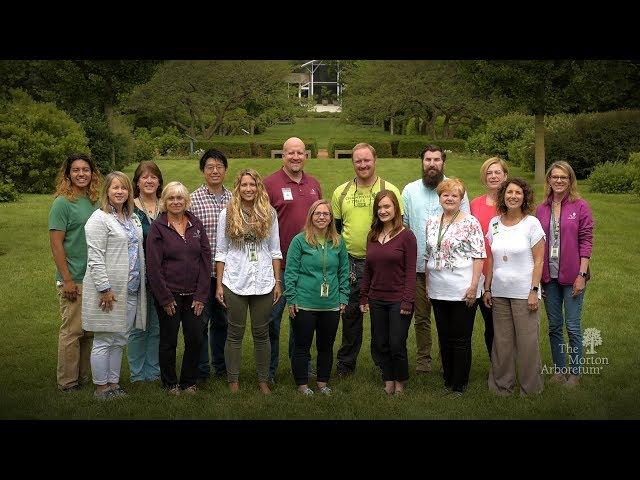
286, 194
253, 252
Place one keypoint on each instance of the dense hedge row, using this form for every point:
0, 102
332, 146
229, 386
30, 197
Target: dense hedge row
592, 139
395, 147
243, 149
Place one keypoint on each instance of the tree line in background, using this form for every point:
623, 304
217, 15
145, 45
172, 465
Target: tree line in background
126, 111
414, 94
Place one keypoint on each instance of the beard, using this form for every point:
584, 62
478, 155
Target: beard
432, 181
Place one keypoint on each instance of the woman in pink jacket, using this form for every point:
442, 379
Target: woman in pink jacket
568, 225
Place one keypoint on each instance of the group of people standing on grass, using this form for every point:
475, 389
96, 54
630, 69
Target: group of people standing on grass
135, 260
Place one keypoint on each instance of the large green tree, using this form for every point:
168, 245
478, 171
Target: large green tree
89, 90
388, 90
555, 86
197, 96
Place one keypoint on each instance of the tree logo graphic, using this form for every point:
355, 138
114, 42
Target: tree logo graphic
591, 339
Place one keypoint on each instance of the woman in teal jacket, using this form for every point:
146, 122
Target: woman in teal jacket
317, 289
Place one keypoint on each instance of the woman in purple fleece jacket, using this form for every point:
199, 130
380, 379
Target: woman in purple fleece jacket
179, 272
568, 224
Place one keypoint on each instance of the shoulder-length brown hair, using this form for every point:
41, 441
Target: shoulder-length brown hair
528, 202
573, 181
308, 229
128, 206
153, 169
261, 212
376, 224
64, 186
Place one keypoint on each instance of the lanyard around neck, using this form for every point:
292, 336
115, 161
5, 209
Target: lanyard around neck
441, 234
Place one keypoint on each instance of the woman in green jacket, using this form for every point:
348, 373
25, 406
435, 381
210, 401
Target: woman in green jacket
317, 289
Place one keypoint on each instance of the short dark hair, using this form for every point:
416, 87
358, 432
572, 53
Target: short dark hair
433, 148
151, 167
216, 155
528, 202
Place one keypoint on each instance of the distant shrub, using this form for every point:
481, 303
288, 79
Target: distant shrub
499, 133
8, 192
35, 138
612, 177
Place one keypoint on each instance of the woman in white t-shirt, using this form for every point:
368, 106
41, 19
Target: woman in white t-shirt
453, 254
512, 290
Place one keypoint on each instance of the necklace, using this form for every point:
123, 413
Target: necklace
505, 257
441, 234
179, 223
386, 236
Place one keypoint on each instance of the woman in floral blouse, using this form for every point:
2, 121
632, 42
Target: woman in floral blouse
454, 252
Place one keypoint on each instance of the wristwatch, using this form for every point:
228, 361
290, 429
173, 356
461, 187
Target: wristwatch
534, 289
583, 274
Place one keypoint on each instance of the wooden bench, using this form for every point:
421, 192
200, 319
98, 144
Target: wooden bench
337, 153
280, 152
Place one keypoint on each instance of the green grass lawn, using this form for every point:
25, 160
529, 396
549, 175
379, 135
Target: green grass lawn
30, 321
322, 129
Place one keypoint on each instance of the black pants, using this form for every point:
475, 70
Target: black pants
325, 324
192, 332
352, 320
487, 316
454, 321
389, 330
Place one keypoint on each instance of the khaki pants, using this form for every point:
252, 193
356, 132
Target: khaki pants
422, 324
515, 341
74, 344
260, 310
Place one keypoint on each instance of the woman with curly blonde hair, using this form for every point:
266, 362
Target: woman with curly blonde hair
76, 196
248, 272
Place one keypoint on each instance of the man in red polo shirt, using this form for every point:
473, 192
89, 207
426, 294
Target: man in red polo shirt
291, 192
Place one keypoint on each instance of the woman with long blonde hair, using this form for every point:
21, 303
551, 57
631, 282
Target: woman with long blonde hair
317, 290
248, 272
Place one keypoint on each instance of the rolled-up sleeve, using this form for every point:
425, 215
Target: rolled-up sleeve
222, 243
274, 238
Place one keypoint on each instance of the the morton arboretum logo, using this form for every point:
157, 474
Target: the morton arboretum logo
590, 363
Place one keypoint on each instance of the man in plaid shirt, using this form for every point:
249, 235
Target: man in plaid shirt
207, 202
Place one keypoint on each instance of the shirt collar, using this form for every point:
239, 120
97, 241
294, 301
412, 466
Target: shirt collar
288, 179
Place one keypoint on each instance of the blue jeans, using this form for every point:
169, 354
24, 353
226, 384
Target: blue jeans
555, 295
143, 347
274, 333
214, 336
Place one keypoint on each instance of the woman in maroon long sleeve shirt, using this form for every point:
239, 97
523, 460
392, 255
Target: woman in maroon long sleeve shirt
388, 289
179, 272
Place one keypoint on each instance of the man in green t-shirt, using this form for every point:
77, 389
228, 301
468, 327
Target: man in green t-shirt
352, 205
76, 195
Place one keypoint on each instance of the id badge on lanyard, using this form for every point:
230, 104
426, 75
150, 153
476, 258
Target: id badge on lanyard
324, 289
438, 264
253, 252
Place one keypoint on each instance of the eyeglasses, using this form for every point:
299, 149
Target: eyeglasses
211, 168
321, 214
556, 178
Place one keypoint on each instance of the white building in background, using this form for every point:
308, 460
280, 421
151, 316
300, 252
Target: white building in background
318, 79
